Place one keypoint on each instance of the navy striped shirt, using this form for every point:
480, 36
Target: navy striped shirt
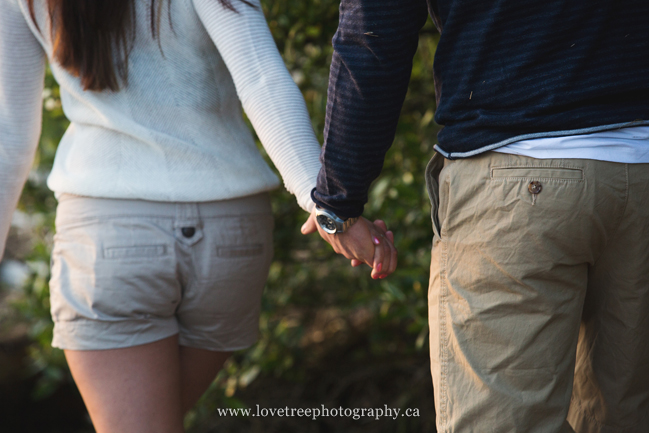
504, 70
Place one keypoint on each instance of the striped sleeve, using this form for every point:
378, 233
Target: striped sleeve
370, 70
270, 98
22, 70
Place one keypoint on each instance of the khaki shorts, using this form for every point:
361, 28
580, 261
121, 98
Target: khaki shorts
130, 272
539, 295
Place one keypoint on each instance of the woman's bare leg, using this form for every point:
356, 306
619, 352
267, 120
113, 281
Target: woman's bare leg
198, 368
131, 390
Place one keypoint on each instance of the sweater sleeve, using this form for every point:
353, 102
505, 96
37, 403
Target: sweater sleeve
22, 70
370, 70
270, 98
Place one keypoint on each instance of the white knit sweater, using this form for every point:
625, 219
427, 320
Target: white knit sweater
175, 132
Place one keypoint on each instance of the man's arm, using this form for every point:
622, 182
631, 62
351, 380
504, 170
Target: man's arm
370, 70
371, 66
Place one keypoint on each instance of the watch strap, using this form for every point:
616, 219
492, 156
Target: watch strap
348, 223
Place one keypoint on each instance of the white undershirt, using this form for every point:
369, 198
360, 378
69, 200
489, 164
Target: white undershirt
627, 145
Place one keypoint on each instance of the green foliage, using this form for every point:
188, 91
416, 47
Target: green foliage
306, 277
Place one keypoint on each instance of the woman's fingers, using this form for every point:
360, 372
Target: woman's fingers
389, 262
379, 255
385, 256
354, 245
381, 224
393, 256
382, 255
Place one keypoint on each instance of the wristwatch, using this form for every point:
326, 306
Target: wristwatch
332, 223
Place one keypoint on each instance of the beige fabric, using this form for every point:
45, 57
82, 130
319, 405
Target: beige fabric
123, 273
511, 274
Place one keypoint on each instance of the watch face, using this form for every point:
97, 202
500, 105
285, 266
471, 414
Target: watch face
327, 224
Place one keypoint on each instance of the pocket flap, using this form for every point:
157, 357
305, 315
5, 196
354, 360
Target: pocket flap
537, 173
134, 252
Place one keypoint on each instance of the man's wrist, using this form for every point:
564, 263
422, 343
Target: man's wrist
332, 223
342, 206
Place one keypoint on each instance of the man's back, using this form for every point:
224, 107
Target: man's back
505, 70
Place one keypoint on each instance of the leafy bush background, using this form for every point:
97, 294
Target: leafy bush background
313, 300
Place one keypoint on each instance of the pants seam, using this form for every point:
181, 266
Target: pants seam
443, 339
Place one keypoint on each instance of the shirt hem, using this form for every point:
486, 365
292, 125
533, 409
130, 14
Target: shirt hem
468, 154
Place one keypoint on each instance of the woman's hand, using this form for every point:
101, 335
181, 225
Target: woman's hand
364, 242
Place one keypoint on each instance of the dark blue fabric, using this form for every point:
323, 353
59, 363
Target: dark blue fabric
503, 69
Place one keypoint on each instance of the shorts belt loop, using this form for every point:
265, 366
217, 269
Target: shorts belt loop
188, 224
187, 215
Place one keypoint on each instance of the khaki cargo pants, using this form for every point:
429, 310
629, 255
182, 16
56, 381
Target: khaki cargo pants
539, 275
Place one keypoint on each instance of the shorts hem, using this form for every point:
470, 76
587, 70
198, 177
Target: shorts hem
206, 344
105, 335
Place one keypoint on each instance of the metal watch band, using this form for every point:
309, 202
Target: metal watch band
348, 223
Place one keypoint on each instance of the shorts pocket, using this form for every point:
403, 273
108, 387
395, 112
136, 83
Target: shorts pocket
116, 269
232, 272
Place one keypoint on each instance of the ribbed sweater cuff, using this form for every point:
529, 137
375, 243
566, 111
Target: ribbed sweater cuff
342, 208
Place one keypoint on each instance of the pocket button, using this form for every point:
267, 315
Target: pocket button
188, 232
535, 187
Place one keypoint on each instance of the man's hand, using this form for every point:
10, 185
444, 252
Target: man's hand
363, 242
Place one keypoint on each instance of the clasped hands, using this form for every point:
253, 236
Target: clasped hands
364, 242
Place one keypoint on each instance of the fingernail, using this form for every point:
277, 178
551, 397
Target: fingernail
375, 240
383, 276
379, 267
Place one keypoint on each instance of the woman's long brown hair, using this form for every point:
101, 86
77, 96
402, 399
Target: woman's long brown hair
88, 35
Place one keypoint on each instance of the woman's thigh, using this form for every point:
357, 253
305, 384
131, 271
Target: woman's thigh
135, 389
198, 368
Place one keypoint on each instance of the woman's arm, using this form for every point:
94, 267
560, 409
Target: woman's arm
269, 96
22, 70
